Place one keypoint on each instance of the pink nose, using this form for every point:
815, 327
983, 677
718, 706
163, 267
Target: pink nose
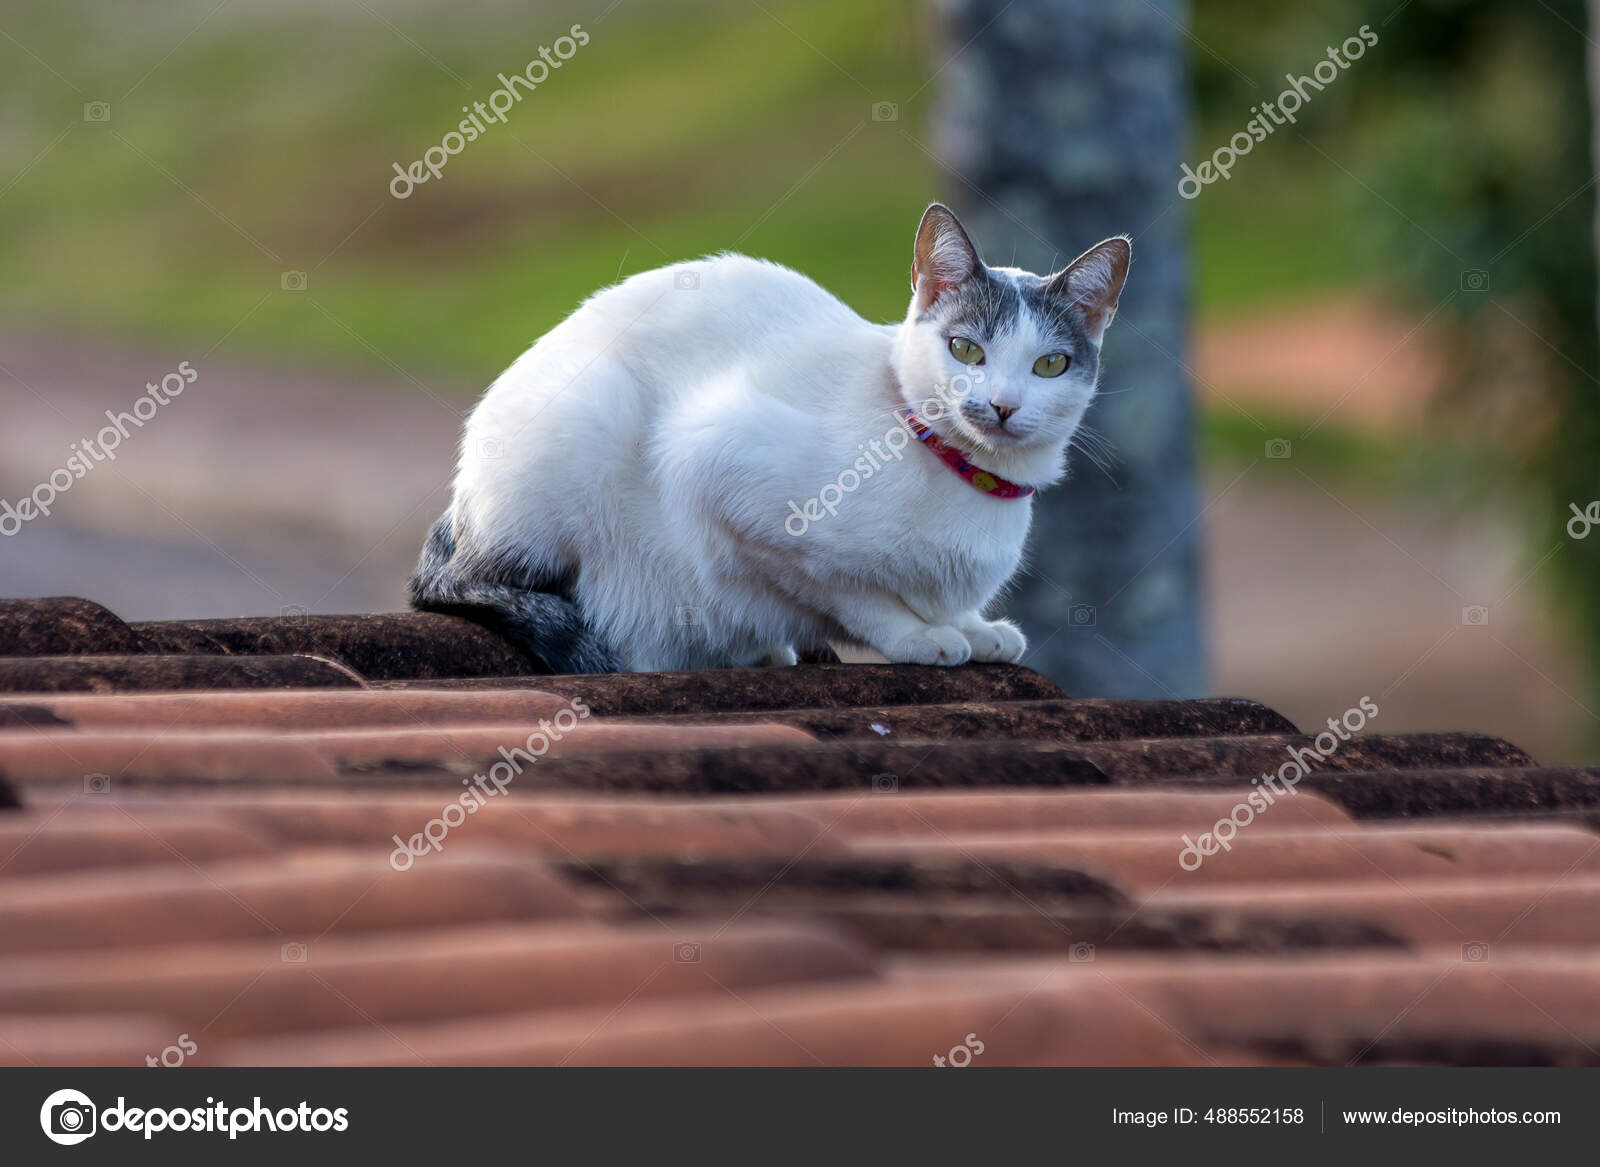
1004, 411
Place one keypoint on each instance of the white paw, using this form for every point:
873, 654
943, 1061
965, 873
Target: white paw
999, 641
937, 644
783, 654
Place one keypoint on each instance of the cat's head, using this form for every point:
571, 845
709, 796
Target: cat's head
1004, 359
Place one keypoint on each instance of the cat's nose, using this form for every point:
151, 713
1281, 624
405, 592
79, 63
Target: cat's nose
1004, 411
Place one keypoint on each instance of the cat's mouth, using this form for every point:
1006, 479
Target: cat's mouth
998, 435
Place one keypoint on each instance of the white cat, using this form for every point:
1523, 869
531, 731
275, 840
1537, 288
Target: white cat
718, 463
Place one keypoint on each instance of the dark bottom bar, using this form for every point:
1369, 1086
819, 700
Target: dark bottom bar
734, 1116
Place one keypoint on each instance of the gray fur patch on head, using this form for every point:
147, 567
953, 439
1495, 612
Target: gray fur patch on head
982, 307
1059, 316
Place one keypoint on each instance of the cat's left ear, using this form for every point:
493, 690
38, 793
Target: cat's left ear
944, 257
1092, 283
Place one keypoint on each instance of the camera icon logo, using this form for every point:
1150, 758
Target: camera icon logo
294, 612
885, 783
1278, 448
293, 952
885, 111
1081, 953
1081, 615
686, 281
97, 111
688, 616
1475, 952
491, 448
68, 1117
685, 952
1475, 616
293, 281
97, 783
1475, 280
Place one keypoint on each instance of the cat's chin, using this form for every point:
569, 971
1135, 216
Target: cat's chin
995, 439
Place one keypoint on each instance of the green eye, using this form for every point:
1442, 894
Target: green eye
1051, 364
965, 351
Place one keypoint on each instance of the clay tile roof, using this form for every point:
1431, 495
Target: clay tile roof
390, 840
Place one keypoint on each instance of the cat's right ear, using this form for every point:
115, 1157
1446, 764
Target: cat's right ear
944, 256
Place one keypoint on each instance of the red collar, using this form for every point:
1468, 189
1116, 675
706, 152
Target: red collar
957, 461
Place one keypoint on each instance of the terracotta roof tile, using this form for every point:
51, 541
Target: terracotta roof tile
307, 896
1511, 1007
299, 711
34, 846
1046, 720
1151, 862
923, 764
556, 826
1519, 789
62, 625
397, 645
820, 686
944, 813
43, 1039
1535, 909
156, 758
342, 981
874, 1025
97, 673
260, 832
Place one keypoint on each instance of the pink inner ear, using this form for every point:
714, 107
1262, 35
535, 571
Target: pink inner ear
929, 289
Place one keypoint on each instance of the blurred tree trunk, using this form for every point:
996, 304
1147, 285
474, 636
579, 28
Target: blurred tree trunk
1061, 122
1592, 59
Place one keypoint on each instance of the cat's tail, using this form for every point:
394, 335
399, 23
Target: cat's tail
544, 623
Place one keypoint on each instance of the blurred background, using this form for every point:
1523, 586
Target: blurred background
1350, 400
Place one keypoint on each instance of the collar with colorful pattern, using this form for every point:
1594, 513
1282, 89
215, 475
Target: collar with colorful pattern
982, 479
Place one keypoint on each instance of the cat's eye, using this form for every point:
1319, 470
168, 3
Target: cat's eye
965, 351
1051, 364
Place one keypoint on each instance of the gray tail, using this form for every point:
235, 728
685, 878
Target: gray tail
545, 623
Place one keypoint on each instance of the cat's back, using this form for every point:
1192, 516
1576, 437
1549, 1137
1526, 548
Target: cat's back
734, 299
604, 377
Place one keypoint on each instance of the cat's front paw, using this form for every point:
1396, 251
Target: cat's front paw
1000, 640
937, 644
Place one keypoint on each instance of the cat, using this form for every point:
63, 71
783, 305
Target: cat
719, 464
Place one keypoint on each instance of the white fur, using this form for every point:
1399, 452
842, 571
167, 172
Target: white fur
654, 440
